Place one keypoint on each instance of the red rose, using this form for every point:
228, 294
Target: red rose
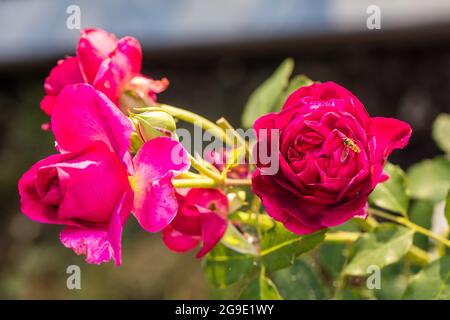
330, 154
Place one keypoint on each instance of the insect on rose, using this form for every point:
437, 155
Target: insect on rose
349, 144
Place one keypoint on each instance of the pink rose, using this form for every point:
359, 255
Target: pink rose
111, 65
87, 187
201, 216
330, 153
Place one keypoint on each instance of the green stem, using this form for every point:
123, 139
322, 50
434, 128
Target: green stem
193, 118
189, 175
204, 170
238, 182
341, 237
405, 222
225, 125
194, 183
207, 182
418, 256
255, 208
415, 254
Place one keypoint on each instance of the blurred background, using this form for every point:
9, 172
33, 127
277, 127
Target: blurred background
215, 53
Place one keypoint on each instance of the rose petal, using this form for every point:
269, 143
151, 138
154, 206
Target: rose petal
94, 46
66, 72
115, 72
177, 241
389, 134
211, 199
159, 156
155, 203
83, 115
99, 244
213, 228
30, 203
96, 179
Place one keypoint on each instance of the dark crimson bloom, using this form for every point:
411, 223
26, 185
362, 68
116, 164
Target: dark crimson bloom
330, 154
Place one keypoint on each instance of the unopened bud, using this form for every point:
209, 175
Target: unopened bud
135, 142
153, 124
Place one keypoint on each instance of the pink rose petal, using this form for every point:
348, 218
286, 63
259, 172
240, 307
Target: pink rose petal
83, 115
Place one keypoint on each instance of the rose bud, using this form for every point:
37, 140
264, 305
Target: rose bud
153, 124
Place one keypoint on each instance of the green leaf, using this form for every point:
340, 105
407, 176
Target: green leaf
264, 98
386, 245
300, 282
261, 288
236, 241
296, 82
433, 282
441, 131
429, 179
279, 247
391, 195
447, 208
332, 258
393, 282
224, 266
420, 213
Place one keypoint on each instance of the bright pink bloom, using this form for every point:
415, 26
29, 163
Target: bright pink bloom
202, 215
88, 192
87, 188
331, 156
111, 65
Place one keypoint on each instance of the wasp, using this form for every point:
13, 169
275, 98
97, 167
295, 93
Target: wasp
349, 144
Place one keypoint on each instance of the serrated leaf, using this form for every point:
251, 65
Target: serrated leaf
224, 266
279, 247
264, 98
391, 194
386, 245
429, 179
433, 282
296, 82
299, 282
261, 288
236, 241
441, 131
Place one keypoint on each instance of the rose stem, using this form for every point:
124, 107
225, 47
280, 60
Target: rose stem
204, 170
193, 118
409, 224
